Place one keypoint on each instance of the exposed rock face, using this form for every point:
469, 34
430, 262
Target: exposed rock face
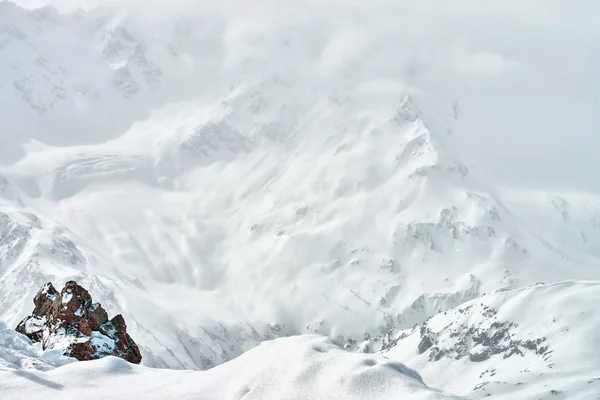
71, 321
479, 341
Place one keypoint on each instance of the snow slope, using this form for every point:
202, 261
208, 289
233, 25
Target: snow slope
536, 342
305, 367
18, 353
221, 181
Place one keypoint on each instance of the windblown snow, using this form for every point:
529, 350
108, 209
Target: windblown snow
227, 181
301, 367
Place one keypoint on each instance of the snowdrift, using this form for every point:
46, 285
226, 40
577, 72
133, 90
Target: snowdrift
304, 367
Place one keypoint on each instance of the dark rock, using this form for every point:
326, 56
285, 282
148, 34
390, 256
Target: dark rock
436, 354
44, 300
72, 315
117, 329
75, 301
118, 324
97, 316
84, 327
425, 344
480, 341
32, 327
479, 357
82, 350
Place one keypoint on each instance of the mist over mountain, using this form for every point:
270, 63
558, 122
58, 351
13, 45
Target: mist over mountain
412, 181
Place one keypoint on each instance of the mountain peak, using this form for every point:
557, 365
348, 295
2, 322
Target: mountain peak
407, 112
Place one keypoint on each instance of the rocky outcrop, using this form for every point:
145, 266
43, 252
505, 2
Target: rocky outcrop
69, 320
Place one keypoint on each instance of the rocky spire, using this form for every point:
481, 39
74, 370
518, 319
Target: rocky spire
72, 321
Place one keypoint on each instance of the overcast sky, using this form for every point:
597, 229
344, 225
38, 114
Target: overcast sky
525, 72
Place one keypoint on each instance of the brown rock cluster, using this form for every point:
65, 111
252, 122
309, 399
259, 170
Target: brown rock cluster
69, 320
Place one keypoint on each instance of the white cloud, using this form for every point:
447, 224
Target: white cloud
342, 48
528, 66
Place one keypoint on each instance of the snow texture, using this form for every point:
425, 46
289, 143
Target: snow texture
224, 176
305, 367
18, 353
517, 344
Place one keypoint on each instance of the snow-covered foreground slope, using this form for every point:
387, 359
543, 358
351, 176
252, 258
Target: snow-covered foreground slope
221, 181
305, 367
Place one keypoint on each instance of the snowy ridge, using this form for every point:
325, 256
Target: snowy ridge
519, 343
309, 366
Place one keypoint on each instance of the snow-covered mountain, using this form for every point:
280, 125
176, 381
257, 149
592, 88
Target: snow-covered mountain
221, 185
536, 342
